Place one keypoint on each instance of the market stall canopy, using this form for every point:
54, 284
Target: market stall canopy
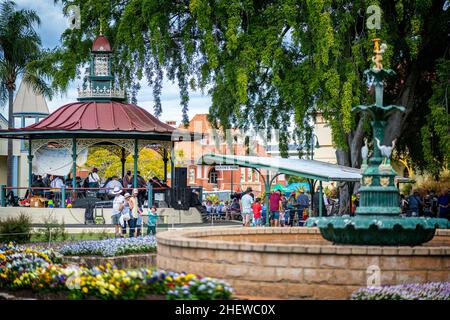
28, 102
311, 169
279, 187
295, 186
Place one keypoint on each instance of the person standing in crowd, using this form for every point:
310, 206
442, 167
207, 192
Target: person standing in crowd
56, 182
274, 207
209, 208
302, 204
256, 207
316, 203
427, 205
111, 185
152, 220
291, 208
263, 211
118, 205
443, 204
246, 207
126, 217
127, 180
235, 209
136, 212
283, 210
94, 179
434, 204
38, 183
414, 204
403, 204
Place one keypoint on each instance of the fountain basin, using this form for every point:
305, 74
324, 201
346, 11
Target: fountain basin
297, 263
380, 230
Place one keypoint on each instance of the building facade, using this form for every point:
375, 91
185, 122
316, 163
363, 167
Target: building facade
211, 178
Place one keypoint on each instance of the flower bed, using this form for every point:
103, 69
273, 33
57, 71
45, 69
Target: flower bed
26, 268
417, 291
110, 247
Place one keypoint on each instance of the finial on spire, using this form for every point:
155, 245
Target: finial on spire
101, 29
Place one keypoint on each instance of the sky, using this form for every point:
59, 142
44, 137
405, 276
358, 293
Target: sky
53, 23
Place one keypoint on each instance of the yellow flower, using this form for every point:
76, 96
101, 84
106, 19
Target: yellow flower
189, 276
111, 287
85, 290
169, 278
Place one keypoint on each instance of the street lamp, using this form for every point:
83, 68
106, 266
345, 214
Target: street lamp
317, 145
315, 139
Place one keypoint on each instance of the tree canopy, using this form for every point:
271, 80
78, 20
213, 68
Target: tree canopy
109, 164
275, 63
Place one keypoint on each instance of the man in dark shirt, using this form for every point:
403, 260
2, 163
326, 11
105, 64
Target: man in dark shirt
127, 180
414, 204
302, 204
444, 204
38, 183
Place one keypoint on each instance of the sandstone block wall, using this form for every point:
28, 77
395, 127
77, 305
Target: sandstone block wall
297, 271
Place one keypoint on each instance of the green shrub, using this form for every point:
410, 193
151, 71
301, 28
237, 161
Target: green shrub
52, 230
15, 229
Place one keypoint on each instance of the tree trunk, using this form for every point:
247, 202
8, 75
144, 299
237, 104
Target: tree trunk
397, 120
10, 160
350, 158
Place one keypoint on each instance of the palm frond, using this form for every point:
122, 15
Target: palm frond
3, 95
38, 84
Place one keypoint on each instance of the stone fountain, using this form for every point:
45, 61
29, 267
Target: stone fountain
378, 220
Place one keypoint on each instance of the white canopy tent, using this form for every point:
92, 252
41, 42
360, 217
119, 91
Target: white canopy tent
310, 169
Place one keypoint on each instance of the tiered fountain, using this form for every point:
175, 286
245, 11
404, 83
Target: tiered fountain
299, 263
377, 220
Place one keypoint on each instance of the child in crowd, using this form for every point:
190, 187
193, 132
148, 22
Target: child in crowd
152, 219
256, 207
282, 218
263, 213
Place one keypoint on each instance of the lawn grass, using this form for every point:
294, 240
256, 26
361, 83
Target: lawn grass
77, 236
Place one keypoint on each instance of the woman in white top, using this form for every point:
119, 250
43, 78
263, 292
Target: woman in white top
94, 179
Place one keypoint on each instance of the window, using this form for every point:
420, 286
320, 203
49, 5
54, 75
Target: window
250, 175
212, 177
101, 65
242, 174
191, 176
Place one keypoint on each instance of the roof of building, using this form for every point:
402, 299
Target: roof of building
101, 43
27, 101
199, 123
105, 116
100, 119
100, 113
311, 169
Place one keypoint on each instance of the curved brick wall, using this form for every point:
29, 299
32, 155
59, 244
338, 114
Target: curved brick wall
260, 262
